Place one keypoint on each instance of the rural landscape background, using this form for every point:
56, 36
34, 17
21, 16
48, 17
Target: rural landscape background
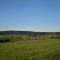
27, 45
29, 29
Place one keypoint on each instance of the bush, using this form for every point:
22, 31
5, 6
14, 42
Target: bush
56, 37
1, 40
6, 40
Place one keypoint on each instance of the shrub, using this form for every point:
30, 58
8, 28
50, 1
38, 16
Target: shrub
6, 40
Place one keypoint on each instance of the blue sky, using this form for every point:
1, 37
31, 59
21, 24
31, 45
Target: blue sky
30, 15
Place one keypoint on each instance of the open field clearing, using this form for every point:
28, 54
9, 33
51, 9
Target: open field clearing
40, 49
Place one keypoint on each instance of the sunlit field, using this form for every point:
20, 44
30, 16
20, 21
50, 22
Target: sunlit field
29, 48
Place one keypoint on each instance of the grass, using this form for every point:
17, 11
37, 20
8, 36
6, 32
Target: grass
30, 49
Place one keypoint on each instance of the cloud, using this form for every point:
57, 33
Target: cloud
27, 28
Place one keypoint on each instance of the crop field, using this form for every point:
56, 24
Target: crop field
28, 48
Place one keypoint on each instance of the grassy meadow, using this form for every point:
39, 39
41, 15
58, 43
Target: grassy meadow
30, 48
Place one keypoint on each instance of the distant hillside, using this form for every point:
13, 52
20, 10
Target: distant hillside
28, 32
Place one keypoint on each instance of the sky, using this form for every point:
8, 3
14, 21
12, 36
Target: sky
30, 15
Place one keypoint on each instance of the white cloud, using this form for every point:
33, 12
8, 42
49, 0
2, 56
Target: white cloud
27, 28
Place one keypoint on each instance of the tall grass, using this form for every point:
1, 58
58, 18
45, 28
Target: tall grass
30, 48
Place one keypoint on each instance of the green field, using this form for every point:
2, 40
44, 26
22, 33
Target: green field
28, 48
